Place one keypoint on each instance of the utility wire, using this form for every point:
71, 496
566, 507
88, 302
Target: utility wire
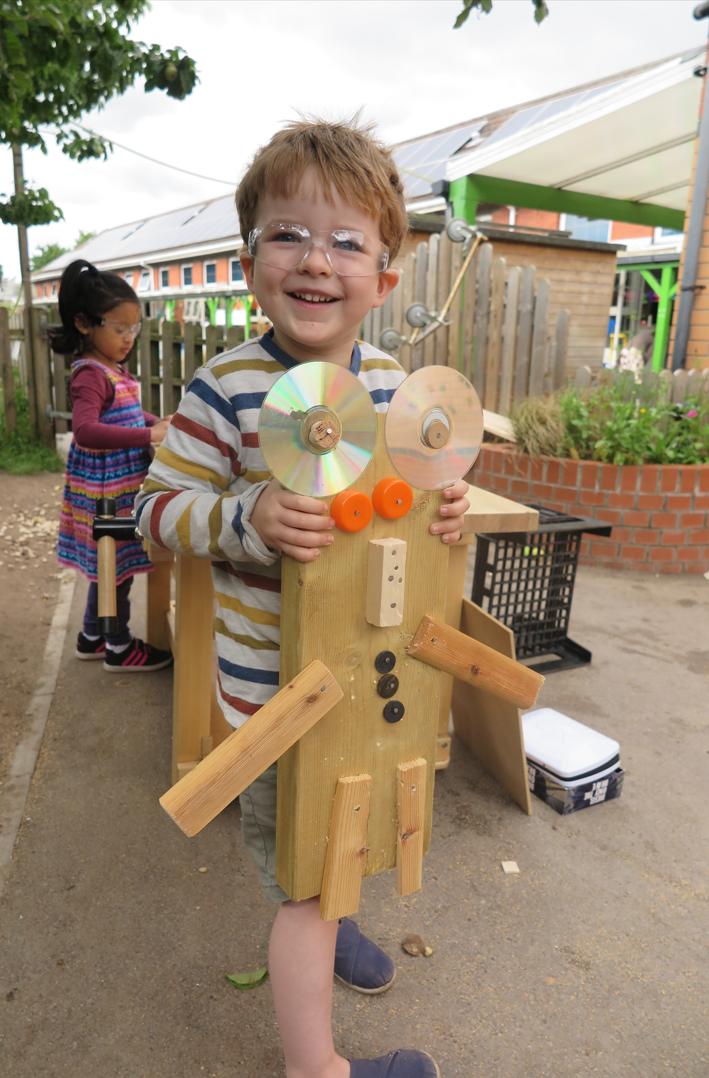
175, 168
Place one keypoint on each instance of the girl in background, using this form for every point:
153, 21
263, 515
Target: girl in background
110, 453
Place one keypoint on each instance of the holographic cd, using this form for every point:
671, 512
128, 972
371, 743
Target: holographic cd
434, 427
317, 429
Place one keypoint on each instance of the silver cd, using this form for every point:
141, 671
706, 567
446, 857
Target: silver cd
317, 429
434, 427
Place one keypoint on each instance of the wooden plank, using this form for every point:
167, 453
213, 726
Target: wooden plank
407, 289
694, 385
234, 336
166, 331
510, 340
191, 700
469, 302
177, 378
346, 848
455, 586
42, 375
524, 334
8, 384
447, 649
456, 309
582, 378
562, 341
494, 337
482, 302
539, 340
665, 384
411, 807
679, 386
192, 349
490, 727
158, 605
237, 762
59, 386
355, 738
420, 297
386, 574
443, 283
491, 512
429, 346
213, 342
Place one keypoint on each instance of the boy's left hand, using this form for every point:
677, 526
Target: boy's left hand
452, 511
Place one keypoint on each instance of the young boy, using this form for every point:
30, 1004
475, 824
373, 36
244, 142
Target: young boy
322, 209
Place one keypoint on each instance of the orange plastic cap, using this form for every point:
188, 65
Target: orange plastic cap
392, 498
351, 510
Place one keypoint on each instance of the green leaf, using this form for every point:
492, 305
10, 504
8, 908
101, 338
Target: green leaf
540, 11
31, 208
248, 980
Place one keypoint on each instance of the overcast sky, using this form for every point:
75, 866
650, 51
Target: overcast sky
261, 61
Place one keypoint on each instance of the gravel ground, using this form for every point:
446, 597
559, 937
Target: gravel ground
593, 960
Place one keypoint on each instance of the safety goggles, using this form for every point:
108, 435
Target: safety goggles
349, 253
121, 329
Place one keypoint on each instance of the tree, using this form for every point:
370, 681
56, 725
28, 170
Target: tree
58, 60
540, 10
45, 255
83, 237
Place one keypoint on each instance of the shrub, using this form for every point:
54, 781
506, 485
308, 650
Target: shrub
610, 424
20, 453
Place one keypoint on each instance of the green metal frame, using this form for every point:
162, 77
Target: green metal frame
666, 289
466, 192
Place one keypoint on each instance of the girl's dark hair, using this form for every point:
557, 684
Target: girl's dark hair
90, 292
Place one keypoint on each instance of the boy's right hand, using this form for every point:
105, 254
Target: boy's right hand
293, 523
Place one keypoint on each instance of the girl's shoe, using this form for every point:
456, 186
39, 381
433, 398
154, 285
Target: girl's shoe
404, 1063
138, 657
90, 649
359, 963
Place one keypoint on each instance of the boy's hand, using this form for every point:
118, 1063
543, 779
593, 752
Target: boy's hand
293, 523
452, 511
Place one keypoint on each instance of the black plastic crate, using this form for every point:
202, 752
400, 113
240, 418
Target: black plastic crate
526, 581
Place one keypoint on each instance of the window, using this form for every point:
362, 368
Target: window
144, 282
587, 228
54, 288
210, 273
237, 274
164, 278
187, 276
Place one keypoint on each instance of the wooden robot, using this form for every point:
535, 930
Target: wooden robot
354, 724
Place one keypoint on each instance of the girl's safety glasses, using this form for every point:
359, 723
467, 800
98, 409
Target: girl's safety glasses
121, 329
349, 253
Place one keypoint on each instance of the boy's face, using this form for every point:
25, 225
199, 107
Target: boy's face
310, 328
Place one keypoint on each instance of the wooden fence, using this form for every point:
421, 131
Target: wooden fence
676, 387
499, 334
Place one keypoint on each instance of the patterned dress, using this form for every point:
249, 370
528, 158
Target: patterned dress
104, 473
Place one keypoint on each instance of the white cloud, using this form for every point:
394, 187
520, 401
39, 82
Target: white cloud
261, 62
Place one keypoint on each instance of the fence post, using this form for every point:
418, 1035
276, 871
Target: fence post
539, 340
679, 386
167, 355
407, 298
694, 384
481, 313
443, 284
41, 374
60, 398
664, 377
524, 336
510, 340
456, 310
494, 342
8, 383
582, 379
469, 298
562, 335
429, 345
420, 297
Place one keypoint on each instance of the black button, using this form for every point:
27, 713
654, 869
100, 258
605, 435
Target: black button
385, 661
394, 711
388, 685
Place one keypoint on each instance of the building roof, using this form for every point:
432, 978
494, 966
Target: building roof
629, 136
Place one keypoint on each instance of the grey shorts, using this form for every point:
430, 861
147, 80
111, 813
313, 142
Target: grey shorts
258, 827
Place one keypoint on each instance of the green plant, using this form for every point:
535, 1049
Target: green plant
46, 254
613, 424
20, 453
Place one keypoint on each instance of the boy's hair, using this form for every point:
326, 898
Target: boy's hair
85, 290
345, 156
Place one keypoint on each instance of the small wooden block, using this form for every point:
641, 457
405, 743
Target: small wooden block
410, 802
386, 579
207, 745
347, 845
184, 768
443, 752
220, 777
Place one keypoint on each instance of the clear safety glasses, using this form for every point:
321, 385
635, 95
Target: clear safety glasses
121, 329
349, 253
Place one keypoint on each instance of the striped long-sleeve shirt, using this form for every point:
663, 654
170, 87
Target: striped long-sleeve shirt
200, 492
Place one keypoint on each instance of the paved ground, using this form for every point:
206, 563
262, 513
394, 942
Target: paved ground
594, 960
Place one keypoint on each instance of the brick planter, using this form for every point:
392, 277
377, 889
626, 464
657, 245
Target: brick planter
659, 512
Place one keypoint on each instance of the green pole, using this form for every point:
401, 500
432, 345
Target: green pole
666, 288
229, 303
248, 302
464, 199
212, 305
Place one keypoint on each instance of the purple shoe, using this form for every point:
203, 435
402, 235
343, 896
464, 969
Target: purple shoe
359, 963
404, 1063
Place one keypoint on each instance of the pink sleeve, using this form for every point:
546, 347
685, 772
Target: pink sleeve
150, 419
91, 393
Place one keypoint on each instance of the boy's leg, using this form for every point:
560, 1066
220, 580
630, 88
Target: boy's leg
301, 958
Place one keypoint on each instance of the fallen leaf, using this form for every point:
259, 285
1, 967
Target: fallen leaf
414, 945
509, 867
248, 980
201, 870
